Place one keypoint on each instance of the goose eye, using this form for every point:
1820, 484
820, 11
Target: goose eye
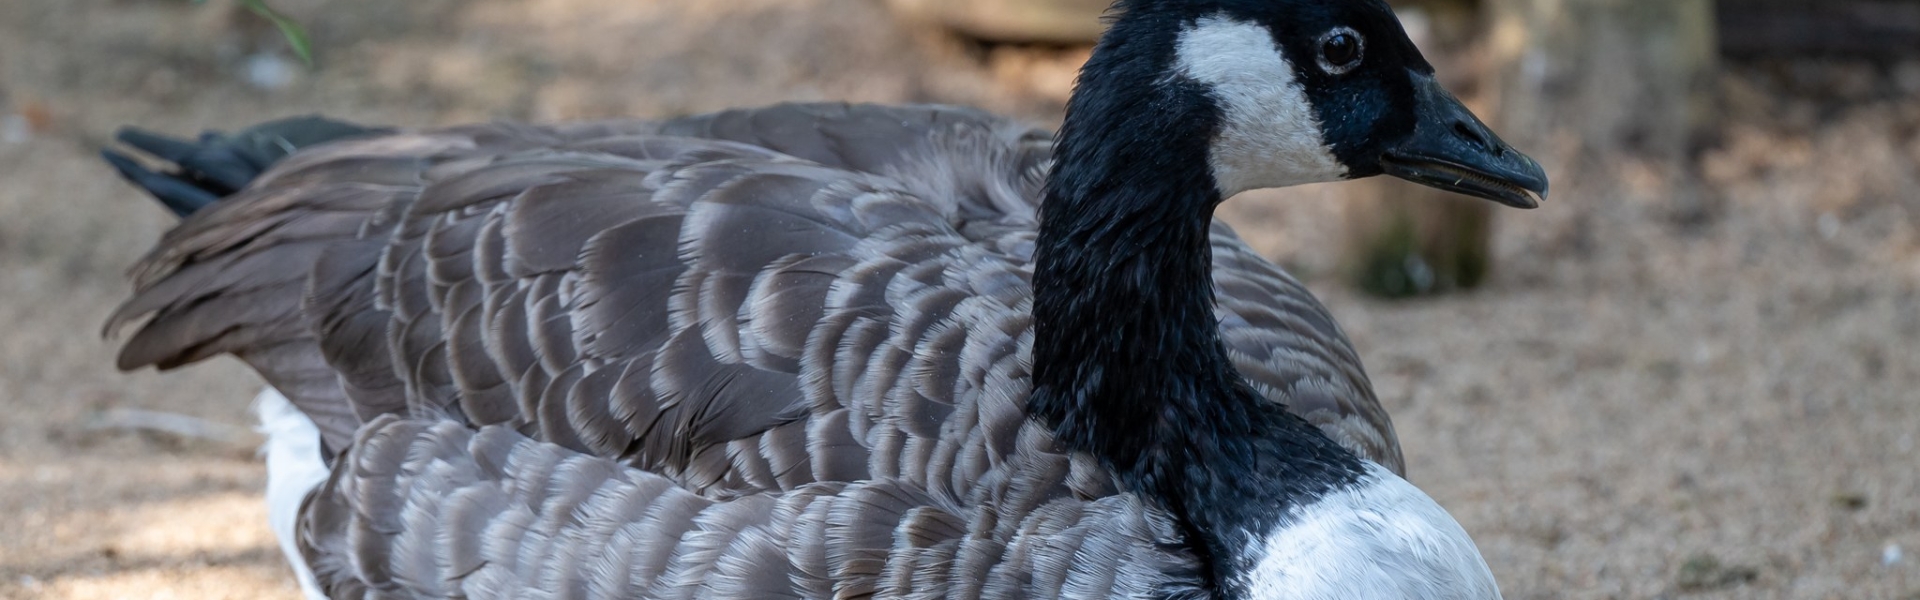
1341, 50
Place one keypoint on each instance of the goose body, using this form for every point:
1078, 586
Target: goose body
823, 350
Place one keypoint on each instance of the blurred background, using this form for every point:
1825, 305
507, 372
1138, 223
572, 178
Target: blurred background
1693, 374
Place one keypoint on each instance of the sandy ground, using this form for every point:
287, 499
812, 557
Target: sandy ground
1640, 405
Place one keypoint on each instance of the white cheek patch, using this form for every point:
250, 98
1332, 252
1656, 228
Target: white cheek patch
1382, 538
1269, 137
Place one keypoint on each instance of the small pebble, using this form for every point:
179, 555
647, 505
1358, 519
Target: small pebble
270, 71
1829, 226
1891, 555
1907, 76
15, 129
1534, 67
1704, 352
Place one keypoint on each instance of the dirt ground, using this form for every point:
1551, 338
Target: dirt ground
1645, 402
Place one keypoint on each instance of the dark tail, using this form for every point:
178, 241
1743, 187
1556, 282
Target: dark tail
218, 164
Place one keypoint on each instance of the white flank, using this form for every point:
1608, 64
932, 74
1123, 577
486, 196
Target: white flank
294, 468
1382, 538
1269, 137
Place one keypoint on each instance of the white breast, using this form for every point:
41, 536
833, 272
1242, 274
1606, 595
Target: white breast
1382, 538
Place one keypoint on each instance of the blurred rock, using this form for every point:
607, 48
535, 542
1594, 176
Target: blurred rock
1703, 572
25, 122
270, 71
1039, 72
14, 129
1016, 21
1829, 225
1851, 501
1906, 75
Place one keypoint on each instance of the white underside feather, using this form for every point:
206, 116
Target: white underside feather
294, 468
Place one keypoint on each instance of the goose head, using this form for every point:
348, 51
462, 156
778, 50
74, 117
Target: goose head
1289, 92
1185, 103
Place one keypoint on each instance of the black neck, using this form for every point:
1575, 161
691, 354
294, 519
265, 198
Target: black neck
1128, 362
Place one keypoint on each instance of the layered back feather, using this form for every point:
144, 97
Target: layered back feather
762, 353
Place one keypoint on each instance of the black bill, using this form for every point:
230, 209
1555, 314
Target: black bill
1451, 149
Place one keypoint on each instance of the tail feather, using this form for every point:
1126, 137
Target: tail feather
210, 160
178, 195
217, 164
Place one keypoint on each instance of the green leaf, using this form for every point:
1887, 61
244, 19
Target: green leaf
296, 35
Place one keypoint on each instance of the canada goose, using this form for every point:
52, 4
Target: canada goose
836, 351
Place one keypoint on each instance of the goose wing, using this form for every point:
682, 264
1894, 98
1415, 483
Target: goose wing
435, 509
1288, 347
746, 301
777, 352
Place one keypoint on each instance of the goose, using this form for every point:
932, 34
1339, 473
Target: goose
831, 350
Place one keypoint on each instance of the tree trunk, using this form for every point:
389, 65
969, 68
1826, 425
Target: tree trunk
1610, 76
1621, 74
